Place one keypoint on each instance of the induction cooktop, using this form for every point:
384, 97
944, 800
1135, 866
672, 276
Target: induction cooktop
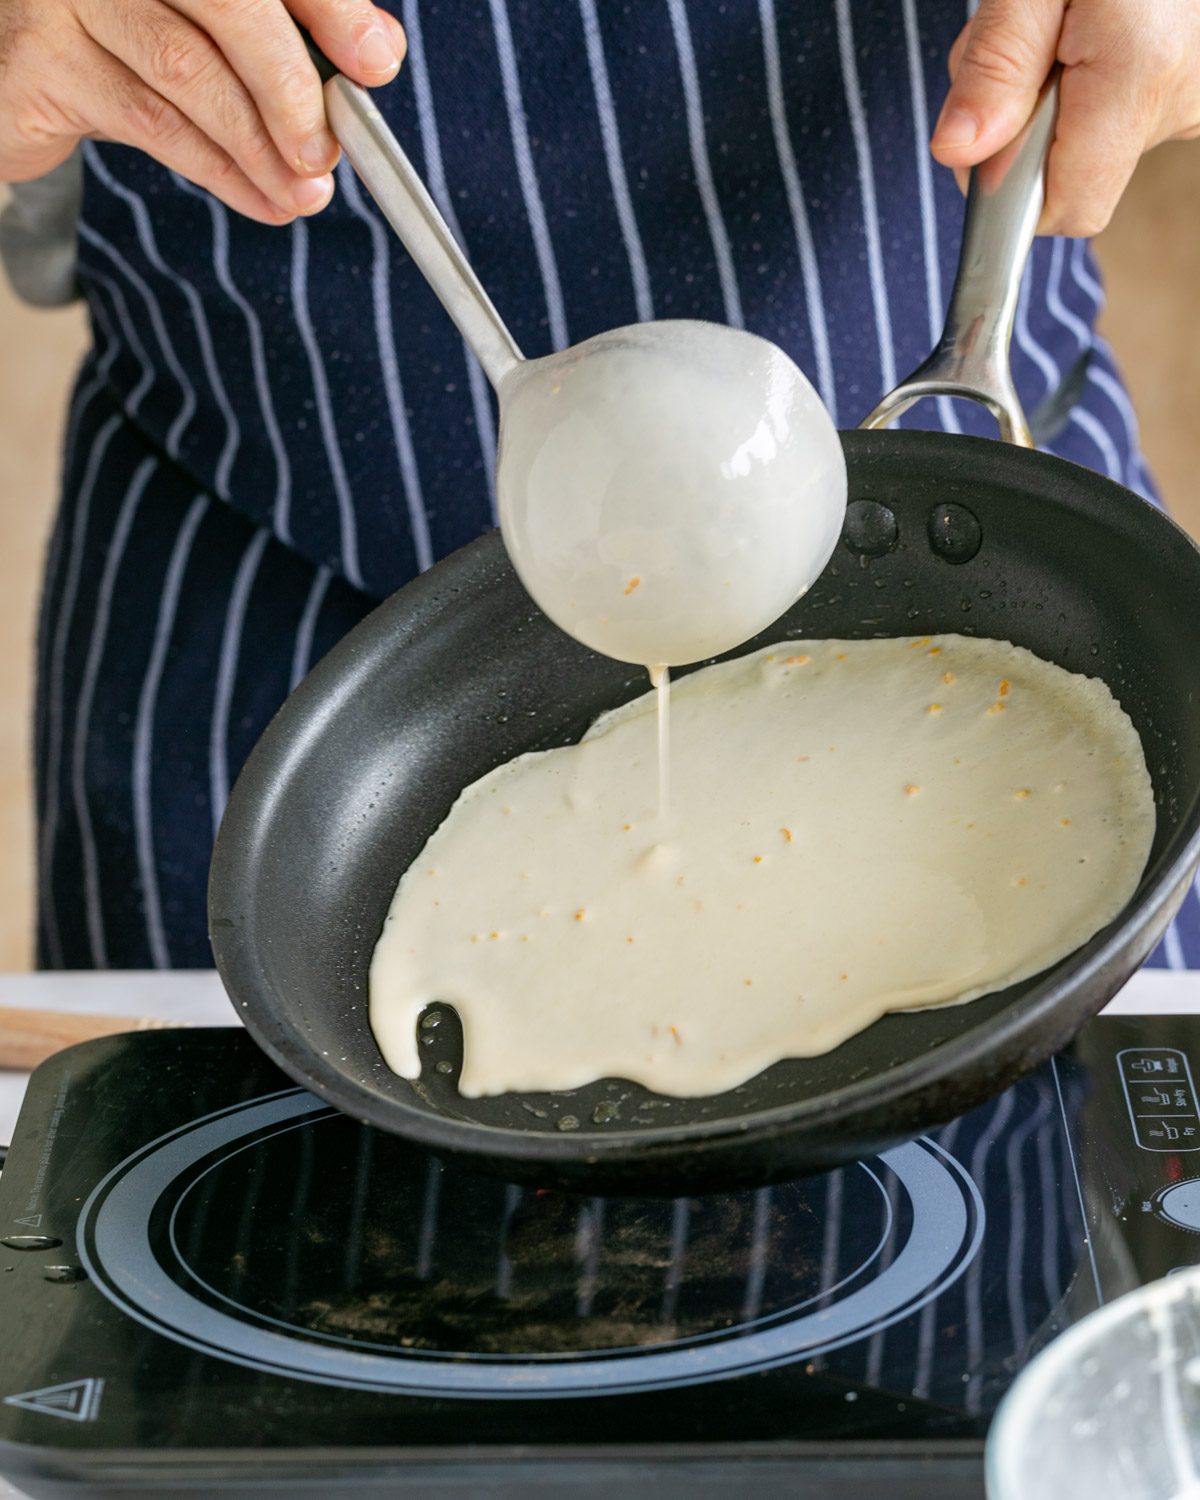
212, 1283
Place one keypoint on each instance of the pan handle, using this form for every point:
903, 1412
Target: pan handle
392, 180
1004, 203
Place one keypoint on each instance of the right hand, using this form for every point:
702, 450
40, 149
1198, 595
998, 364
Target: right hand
221, 91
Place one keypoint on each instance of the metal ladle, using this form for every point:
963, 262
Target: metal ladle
666, 490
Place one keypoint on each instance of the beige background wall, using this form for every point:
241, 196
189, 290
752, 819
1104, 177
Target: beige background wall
1151, 257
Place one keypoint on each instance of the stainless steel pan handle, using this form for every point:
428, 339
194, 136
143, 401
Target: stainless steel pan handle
1004, 203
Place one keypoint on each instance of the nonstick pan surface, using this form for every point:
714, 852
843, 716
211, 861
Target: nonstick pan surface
459, 672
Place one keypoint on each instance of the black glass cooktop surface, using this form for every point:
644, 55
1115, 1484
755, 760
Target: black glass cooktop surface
212, 1283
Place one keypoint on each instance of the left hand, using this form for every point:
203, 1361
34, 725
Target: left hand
1130, 80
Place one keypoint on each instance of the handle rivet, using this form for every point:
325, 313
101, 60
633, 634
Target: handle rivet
954, 532
870, 528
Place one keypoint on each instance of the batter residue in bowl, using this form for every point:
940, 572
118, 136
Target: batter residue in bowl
855, 827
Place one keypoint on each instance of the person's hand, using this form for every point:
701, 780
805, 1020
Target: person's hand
221, 91
1131, 79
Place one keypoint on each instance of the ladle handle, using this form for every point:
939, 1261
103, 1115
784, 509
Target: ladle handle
392, 180
1004, 203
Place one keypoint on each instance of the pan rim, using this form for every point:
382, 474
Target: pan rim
876, 1093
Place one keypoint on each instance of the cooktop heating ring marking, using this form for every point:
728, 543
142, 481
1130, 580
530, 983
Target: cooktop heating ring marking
725, 1331
114, 1247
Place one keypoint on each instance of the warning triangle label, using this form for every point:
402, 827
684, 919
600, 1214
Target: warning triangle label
31, 1221
76, 1400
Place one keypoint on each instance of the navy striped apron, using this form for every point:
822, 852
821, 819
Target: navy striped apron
277, 428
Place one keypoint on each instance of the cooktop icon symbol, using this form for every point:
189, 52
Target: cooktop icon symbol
1179, 1204
74, 1400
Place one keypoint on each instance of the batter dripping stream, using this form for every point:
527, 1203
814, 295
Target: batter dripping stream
660, 680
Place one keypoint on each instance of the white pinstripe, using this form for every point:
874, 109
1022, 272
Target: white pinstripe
281, 508
589, 1243
154, 312
435, 172
701, 167
793, 189
1018, 1188
1087, 423
57, 544
866, 187
610, 137
518, 126
1079, 417
146, 238
302, 652
56, 639
1113, 390
227, 665
1054, 301
1026, 340
88, 393
756, 1261
55, 686
333, 449
929, 234
988, 1137
1135, 471
146, 379
385, 340
1083, 276
143, 735
83, 712
1173, 948
79, 408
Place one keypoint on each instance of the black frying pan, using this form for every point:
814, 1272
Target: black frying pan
459, 672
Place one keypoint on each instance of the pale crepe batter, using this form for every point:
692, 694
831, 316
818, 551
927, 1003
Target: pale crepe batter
856, 827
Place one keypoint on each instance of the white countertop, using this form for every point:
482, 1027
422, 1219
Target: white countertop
196, 997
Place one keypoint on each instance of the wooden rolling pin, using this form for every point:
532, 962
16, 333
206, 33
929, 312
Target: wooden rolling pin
28, 1037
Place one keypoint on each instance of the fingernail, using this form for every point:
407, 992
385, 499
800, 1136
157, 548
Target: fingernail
312, 194
376, 53
956, 128
317, 152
